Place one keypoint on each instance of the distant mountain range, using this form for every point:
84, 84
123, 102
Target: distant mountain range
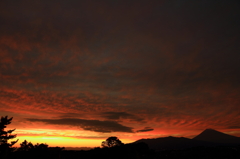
208, 137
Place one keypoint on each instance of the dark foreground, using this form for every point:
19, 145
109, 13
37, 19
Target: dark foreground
131, 151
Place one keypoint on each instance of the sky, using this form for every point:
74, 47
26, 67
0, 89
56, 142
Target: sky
73, 73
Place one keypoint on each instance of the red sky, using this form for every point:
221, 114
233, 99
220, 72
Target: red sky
76, 72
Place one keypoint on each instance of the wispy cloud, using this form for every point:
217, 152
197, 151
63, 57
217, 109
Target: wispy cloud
121, 115
167, 64
146, 129
90, 125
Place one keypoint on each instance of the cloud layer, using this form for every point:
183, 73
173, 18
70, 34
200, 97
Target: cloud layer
121, 116
121, 66
146, 129
89, 125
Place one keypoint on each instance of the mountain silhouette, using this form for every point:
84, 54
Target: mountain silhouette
171, 143
207, 138
211, 135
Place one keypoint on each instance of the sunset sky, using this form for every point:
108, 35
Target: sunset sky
75, 72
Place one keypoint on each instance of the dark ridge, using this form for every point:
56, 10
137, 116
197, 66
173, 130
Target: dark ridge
211, 135
171, 143
208, 138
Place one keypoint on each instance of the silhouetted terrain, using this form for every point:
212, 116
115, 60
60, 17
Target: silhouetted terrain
78, 148
126, 151
208, 138
173, 143
211, 135
210, 144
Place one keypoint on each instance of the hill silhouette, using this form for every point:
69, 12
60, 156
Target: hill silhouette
207, 138
171, 143
211, 135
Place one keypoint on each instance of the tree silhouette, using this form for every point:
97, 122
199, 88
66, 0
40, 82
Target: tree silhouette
5, 136
112, 142
25, 146
41, 146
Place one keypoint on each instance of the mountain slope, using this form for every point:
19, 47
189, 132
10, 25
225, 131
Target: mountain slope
211, 135
208, 137
169, 143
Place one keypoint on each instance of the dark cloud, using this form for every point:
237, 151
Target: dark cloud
90, 125
172, 63
233, 127
69, 115
145, 129
120, 115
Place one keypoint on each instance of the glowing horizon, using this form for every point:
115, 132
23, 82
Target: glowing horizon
81, 71
73, 141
